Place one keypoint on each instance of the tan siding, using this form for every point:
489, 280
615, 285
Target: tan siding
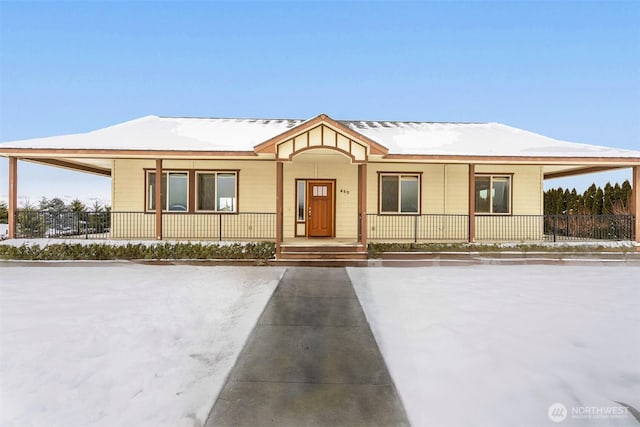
256, 193
444, 190
457, 192
346, 197
257, 184
526, 196
526, 186
324, 166
432, 184
128, 185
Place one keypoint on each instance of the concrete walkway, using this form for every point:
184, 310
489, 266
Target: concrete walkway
311, 361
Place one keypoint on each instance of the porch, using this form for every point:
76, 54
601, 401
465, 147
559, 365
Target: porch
261, 226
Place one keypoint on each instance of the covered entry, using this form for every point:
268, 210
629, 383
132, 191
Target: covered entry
321, 182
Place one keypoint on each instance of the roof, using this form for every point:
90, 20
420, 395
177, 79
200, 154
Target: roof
401, 138
475, 139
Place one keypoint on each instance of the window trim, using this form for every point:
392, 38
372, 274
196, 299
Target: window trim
507, 175
304, 212
191, 191
214, 172
400, 175
167, 172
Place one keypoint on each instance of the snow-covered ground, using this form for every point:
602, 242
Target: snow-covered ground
125, 345
498, 345
122, 344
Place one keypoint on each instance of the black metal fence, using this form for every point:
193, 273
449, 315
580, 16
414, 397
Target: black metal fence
54, 224
500, 228
559, 228
141, 225
511, 228
428, 227
380, 228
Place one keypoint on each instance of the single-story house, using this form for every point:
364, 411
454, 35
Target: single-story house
300, 182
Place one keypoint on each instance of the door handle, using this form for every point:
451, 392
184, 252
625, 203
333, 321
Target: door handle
309, 212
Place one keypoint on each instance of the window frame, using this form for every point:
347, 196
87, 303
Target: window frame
302, 181
400, 175
166, 172
192, 202
491, 176
215, 172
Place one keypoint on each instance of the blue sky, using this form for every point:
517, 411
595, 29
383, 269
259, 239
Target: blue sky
568, 70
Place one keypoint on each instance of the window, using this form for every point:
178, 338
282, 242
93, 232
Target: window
399, 193
216, 191
301, 200
493, 194
174, 194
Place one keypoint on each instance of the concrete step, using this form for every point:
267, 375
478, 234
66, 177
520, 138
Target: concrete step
323, 248
322, 255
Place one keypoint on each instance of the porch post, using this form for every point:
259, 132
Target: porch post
472, 203
362, 202
635, 200
279, 207
13, 195
158, 197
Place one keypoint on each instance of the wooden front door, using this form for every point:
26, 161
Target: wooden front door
320, 212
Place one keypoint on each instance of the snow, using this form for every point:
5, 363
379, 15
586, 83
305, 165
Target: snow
476, 139
420, 138
123, 344
498, 345
169, 133
4, 231
577, 244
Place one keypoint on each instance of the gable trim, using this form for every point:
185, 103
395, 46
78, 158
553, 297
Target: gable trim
269, 146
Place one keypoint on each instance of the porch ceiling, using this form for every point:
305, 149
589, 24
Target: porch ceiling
321, 155
100, 167
560, 171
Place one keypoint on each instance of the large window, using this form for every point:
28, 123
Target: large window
175, 192
399, 193
493, 194
189, 191
216, 191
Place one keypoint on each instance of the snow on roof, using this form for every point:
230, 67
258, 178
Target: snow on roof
475, 139
169, 133
421, 138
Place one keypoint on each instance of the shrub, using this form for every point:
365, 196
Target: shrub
100, 251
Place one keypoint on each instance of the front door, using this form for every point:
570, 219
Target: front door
320, 209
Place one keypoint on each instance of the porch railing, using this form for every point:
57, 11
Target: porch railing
417, 228
141, 225
589, 227
380, 228
500, 228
